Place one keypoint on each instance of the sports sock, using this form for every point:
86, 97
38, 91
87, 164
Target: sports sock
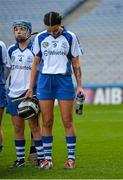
39, 149
71, 145
20, 149
47, 144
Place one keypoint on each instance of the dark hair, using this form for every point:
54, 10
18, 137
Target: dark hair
52, 18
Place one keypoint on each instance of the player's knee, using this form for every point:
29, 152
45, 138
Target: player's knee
18, 130
35, 130
68, 124
48, 124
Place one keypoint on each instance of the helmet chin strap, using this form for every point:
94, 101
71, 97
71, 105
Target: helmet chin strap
28, 37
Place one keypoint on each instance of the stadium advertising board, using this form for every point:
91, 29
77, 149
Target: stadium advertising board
107, 95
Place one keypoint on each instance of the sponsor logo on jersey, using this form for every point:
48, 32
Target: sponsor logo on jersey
20, 67
46, 53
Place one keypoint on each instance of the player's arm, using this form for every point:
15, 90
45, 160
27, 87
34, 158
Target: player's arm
7, 71
33, 76
78, 73
36, 51
76, 52
6, 59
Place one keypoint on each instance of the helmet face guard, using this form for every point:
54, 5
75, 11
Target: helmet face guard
28, 108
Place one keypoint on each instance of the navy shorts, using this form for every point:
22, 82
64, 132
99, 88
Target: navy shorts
12, 106
2, 96
55, 86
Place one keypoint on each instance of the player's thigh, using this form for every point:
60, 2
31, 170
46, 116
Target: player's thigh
1, 115
46, 107
2, 101
18, 122
66, 109
33, 123
2, 96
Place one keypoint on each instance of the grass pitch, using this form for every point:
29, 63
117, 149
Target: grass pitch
99, 153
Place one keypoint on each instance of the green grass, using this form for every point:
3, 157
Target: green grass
99, 152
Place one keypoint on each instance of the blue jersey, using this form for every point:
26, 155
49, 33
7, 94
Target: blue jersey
3, 60
56, 53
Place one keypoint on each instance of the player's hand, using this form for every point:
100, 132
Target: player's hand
29, 93
80, 89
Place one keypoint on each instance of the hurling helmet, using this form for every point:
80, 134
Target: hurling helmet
28, 108
23, 23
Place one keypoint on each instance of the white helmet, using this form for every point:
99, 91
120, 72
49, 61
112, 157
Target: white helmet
28, 108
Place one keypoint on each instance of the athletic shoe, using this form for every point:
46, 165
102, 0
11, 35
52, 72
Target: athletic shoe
69, 164
18, 164
32, 158
39, 161
45, 164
